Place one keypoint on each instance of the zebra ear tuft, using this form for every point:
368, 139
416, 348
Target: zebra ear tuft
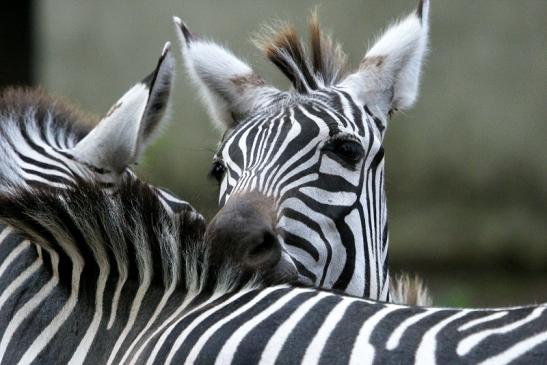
132, 122
389, 73
229, 86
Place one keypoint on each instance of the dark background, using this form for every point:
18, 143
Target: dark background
467, 167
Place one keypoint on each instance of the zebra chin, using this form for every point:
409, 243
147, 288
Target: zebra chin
244, 230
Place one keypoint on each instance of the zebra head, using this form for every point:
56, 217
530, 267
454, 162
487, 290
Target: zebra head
315, 152
46, 142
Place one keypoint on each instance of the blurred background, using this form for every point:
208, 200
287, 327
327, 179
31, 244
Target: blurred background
467, 167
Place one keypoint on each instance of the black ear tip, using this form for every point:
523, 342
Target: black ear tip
188, 35
150, 79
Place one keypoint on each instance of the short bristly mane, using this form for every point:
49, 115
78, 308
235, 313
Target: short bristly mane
409, 290
18, 103
282, 45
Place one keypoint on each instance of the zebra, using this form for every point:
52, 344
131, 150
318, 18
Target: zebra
316, 151
206, 302
173, 296
47, 144
47, 141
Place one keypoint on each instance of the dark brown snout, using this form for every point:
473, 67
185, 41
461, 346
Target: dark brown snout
243, 232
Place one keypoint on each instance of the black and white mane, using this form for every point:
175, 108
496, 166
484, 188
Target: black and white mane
283, 46
34, 121
130, 231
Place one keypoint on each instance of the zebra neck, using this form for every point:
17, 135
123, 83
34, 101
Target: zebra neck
126, 239
42, 290
128, 235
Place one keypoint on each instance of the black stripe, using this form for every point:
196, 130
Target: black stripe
41, 164
39, 149
50, 178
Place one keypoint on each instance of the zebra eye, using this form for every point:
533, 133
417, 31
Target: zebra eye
217, 171
346, 150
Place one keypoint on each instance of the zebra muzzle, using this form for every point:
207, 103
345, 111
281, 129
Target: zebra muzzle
243, 231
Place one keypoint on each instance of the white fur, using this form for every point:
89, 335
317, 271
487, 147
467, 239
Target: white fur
213, 68
113, 142
409, 290
402, 48
118, 139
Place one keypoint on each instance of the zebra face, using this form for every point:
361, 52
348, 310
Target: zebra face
321, 160
315, 152
45, 142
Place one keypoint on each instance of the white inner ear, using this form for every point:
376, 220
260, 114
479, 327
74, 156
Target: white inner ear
112, 143
228, 85
213, 69
392, 66
404, 46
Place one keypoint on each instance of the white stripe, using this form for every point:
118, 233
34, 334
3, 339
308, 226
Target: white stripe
467, 344
301, 230
122, 277
47, 333
316, 347
13, 255
356, 285
339, 198
170, 326
134, 311
395, 337
519, 349
20, 279
278, 339
167, 294
230, 347
184, 334
81, 351
482, 320
333, 239
5, 233
363, 352
166, 332
293, 185
330, 166
27, 309
425, 354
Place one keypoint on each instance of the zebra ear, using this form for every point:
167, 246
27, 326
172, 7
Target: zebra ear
230, 87
132, 123
389, 73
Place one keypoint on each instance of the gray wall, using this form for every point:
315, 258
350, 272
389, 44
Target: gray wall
467, 167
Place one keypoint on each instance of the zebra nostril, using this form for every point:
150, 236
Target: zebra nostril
262, 250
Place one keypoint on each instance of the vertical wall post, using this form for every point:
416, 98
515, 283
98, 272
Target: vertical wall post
16, 43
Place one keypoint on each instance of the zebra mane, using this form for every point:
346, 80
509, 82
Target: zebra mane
18, 104
409, 290
128, 229
282, 45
